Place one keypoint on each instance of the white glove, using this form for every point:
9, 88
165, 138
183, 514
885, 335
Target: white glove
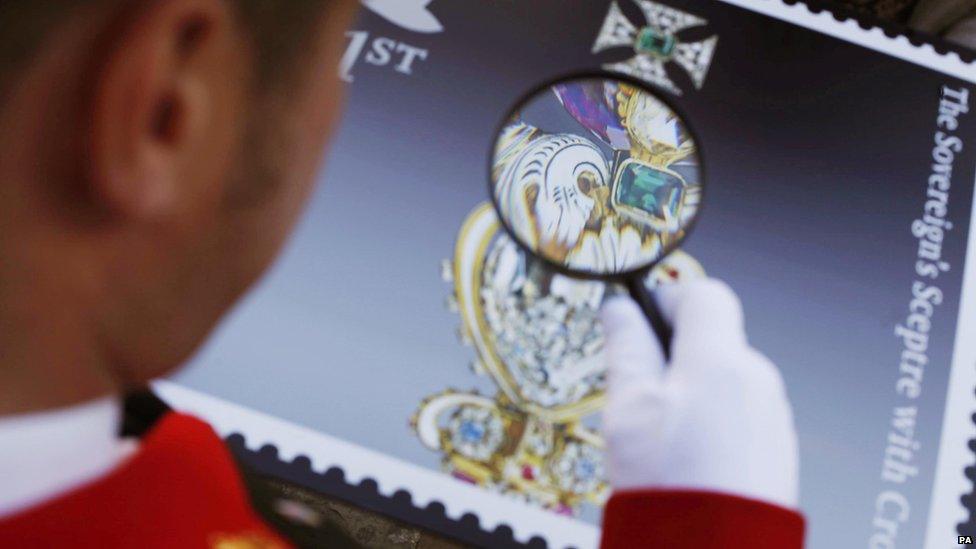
716, 419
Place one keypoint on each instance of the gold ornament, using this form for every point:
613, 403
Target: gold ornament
536, 336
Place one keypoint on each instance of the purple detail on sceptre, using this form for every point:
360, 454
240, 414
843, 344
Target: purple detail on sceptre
594, 108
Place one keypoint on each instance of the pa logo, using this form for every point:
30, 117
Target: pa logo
965, 540
656, 44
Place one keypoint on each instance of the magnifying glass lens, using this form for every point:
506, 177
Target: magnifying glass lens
597, 176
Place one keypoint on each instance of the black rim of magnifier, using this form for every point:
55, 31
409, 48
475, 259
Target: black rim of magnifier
527, 97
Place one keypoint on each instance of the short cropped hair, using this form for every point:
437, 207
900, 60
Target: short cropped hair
279, 29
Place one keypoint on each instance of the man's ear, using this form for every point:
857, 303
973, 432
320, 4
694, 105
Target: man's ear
160, 99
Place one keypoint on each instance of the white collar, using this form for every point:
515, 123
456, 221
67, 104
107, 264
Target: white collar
46, 454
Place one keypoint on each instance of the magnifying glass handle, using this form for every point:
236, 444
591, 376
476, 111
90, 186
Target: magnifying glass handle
645, 299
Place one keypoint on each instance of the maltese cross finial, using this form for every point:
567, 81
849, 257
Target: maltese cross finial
656, 44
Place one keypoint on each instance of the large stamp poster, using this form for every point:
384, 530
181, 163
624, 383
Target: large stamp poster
396, 340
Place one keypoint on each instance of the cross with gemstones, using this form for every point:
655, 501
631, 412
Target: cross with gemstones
656, 44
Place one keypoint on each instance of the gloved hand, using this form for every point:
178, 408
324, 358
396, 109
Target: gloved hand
716, 419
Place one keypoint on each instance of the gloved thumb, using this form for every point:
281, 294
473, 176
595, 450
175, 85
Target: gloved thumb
633, 353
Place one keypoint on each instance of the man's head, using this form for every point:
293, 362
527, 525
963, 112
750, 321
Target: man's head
154, 155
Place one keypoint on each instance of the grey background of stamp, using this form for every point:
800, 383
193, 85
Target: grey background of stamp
828, 242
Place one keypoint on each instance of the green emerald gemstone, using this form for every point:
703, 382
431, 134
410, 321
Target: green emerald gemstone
652, 42
653, 191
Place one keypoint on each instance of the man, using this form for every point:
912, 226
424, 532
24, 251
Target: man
154, 156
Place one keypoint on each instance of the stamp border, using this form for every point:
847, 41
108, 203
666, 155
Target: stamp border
846, 25
951, 511
477, 513
366, 495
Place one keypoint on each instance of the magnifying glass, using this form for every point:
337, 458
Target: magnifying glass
600, 178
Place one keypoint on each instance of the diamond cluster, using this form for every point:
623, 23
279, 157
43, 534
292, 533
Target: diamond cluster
543, 338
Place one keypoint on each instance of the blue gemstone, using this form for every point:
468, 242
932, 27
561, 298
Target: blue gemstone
471, 431
585, 469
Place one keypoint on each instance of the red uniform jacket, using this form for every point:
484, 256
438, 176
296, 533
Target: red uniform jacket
182, 489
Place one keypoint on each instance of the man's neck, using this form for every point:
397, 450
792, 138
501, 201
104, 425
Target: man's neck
49, 358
